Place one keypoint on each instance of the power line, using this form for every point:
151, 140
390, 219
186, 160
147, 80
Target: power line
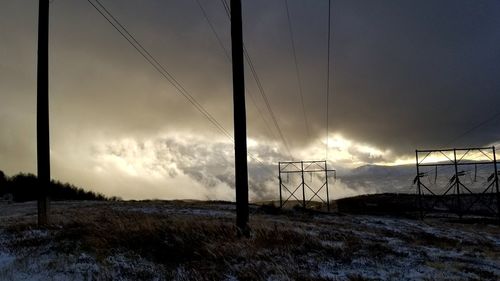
328, 79
270, 132
226, 8
479, 125
260, 87
268, 105
299, 81
221, 44
161, 69
228, 56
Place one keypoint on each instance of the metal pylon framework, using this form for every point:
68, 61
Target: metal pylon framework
461, 181
289, 189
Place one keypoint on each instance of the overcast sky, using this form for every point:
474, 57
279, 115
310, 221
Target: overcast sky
404, 75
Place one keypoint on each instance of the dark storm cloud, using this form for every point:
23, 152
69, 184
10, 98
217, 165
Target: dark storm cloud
416, 73
406, 74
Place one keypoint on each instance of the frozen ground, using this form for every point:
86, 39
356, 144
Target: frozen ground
180, 240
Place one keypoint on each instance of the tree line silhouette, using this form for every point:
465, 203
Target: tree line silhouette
24, 187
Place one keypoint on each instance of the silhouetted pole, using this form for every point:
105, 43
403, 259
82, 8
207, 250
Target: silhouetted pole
457, 183
281, 184
43, 147
326, 184
496, 180
420, 206
240, 130
303, 184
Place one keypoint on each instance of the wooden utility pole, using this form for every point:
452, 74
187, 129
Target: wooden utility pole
240, 130
43, 146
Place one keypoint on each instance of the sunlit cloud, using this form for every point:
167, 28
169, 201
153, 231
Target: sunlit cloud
345, 152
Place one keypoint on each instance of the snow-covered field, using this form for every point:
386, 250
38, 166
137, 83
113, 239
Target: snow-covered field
179, 240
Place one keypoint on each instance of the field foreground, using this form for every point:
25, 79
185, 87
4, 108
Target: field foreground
178, 240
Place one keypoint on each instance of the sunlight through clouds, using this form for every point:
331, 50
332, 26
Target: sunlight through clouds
347, 153
206, 166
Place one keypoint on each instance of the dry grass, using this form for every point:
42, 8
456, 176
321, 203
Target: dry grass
207, 249
283, 245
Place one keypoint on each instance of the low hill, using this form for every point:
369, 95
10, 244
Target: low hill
24, 187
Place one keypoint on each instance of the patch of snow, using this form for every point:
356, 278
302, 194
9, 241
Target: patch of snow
6, 259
